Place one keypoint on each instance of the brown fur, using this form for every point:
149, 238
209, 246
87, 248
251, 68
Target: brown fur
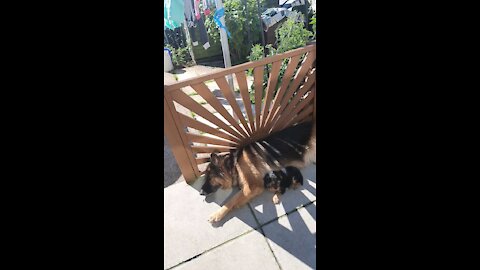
246, 168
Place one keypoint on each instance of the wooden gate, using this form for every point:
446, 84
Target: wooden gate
195, 128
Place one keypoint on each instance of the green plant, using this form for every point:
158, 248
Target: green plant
244, 25
256, 53
291, 34
180, 57
313, 22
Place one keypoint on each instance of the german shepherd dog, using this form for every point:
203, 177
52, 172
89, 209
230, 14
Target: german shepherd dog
247, 166
278, 181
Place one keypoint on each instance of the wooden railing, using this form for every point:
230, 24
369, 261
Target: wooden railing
281, 103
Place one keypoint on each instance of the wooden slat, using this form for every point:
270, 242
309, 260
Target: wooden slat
177, 140
227, 93
202, 160
301, 116
300, 106
211, 149
299, 77
238, 68
304, 103
272, 83
309, 117
301, 92
190, 122
283, 88
258, 84
276, 112
242, 83
204, 139
297, 121
189, 103
206, 94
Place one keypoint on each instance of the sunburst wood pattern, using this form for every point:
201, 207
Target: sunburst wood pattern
227, 119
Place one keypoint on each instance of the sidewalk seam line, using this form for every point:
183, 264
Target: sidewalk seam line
259, 226
210, 249
266, 223
264, 238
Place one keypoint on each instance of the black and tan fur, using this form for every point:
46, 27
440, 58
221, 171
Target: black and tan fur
278, 181
247, 166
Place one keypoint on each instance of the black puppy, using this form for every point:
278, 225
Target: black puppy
279, 181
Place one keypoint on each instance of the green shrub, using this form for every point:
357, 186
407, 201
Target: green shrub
243, 23
313, 22
291, 34
180, 57
256, 53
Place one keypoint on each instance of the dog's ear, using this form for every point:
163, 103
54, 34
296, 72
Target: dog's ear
214, 158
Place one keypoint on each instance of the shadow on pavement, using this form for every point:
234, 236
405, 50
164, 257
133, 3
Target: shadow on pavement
178, 71
289, 232
171, 171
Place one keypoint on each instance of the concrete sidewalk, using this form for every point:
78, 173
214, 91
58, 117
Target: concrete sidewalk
260, 235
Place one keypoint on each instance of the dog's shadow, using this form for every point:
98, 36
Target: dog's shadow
290, 231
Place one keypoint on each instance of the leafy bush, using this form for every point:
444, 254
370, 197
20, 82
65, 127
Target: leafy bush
313, 22
180, 57
243, 23
256, 53
291, 34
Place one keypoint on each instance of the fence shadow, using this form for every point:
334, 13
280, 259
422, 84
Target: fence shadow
289, 232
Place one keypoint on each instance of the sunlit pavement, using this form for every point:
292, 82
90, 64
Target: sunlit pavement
260, 235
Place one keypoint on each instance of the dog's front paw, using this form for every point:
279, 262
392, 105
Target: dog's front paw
215, 217
276, 199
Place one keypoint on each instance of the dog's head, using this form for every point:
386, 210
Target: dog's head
272, 181
217, 174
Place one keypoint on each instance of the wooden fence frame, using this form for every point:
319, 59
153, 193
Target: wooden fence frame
285, 103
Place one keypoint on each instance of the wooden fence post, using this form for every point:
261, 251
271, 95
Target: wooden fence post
172, 134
